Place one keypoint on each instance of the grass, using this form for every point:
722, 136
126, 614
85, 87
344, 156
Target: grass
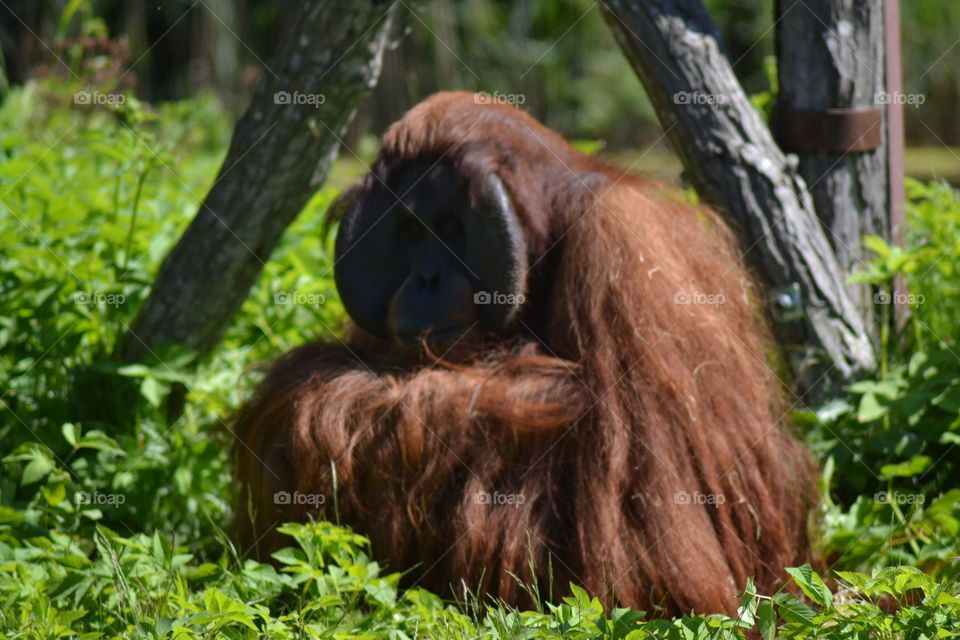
933, 163
112, 526
922, 163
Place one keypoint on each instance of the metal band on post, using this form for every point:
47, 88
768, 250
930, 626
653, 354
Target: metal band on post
827, 131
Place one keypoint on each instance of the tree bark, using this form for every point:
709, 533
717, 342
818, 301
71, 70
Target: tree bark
282, 149
735, 165
830, 55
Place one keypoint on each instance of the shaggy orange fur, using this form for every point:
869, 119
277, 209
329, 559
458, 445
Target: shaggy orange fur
624, 436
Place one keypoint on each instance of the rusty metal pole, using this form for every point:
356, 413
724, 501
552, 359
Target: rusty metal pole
895, 137
895, 168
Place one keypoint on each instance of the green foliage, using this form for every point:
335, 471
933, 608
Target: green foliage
326, 585
929, 262
149, 586
892, 473
92, 199
112, 502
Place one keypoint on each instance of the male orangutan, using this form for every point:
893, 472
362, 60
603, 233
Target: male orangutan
557, 375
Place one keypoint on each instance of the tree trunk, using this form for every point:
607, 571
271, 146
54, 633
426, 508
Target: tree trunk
830, 55
281, 151
735, 165
216, 63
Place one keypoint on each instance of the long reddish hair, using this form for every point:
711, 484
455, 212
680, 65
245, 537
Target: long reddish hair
625, 435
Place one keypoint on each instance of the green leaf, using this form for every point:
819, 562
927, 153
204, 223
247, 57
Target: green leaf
382, 592
917, 360
811, 584
914, 466
870, 408
38, 467
589, 147
885, 388
101, 442
202, 572
949, 400
878, 245
10, 516
858, 580
55, 492
289, 556
70, 433
153, 391
793, 609
747, 610
163, 626
944, 599
767, 620
949, 437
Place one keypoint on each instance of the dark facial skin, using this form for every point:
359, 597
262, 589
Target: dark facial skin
422, 268
436, 300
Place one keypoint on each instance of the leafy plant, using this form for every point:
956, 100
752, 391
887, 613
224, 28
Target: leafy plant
111, 526
891, 472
